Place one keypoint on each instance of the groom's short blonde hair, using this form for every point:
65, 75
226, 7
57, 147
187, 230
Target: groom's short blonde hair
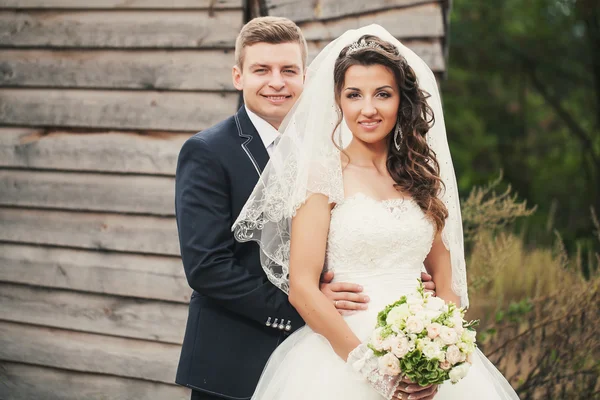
273, 30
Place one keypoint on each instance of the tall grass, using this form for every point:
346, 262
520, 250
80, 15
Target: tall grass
539, 315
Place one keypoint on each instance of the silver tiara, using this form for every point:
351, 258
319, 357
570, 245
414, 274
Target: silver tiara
363, 44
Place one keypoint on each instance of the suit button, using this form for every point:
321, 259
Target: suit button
281, 325
288, 326
268, 323
275, 323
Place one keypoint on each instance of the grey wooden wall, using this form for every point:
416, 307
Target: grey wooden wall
419, 24
96, 98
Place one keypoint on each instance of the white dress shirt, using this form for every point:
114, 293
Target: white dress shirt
266, 131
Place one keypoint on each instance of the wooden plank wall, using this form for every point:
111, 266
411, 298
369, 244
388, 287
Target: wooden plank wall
419, 24
96, 99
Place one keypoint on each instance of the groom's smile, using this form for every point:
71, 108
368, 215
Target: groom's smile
277, 99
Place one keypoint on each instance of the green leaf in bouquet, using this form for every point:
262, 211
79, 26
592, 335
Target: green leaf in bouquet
422, 370
471, 325
387, 331
382, 315
451, 308
375, 351
421, 288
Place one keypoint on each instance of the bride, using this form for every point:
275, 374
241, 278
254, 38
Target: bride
362, 182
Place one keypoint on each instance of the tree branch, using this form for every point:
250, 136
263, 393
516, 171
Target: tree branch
555, 379
532, 330
590, 13
571, 123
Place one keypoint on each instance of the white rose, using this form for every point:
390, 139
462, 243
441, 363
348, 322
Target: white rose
434, 304
386, 345
389, 341
431, 351
453, 354
416, 308
389, 365
398, 314
422, 343
414, 324
434, 330
458, 327
431, 314
377, 339
400, 346
466, 348
459, 372
414, 299
468, 336
412, 342
448, 335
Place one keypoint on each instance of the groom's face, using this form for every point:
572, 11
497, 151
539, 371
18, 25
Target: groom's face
271, 79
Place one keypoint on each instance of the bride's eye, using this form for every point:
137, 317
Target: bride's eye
385, 95
352, 95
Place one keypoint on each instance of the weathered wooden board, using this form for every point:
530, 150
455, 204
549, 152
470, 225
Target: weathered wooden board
416, 22
115, 316
30, 382
120, 29
132, 275
429, 50
110, 69
88, 352
88, 191
172, 111
328, 9
121, 4
140, 234
146, 153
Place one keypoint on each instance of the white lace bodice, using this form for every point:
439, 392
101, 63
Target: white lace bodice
370, 238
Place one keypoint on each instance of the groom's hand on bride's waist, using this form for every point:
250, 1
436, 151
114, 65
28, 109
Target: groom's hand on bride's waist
346, 297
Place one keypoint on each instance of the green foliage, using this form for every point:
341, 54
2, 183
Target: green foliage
522, 95
422, 371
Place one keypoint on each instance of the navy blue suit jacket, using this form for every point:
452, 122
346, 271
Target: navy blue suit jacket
230, 331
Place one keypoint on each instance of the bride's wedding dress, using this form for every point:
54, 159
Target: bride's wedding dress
380, 245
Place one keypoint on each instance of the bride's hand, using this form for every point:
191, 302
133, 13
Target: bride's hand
407, 390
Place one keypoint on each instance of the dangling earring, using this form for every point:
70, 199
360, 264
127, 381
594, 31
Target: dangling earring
398, 136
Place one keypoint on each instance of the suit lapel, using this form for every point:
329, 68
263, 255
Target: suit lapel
251, 142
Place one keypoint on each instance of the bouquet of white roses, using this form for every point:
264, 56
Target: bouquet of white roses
424, 339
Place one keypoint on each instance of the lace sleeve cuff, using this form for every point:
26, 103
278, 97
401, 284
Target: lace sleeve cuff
363, 361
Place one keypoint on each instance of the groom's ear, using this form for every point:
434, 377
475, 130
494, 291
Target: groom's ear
236, 75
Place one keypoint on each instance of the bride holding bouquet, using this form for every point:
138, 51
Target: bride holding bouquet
362, 182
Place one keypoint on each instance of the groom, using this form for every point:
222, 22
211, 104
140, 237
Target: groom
236, 316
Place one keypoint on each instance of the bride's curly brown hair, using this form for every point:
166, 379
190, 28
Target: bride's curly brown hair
414, 167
